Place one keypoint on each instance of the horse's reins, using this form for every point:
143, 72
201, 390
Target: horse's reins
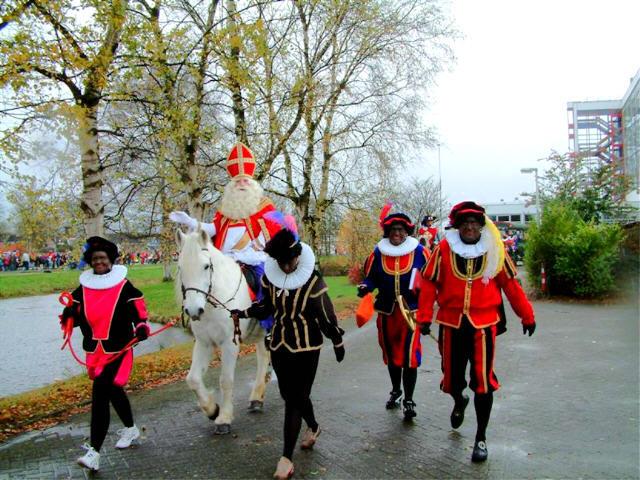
213, 301
66, 299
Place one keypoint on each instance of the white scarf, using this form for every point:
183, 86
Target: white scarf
102, 282
298, 277
387, 248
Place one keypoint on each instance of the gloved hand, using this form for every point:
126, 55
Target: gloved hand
184, 219
425, 328
339, 351
142, 331
362, 290
238, 313
529, 328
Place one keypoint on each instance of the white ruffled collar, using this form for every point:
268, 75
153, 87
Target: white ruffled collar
298, 277
102, 282
465, 250
408, 246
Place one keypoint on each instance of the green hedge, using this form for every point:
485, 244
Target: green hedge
579, 258
334, 266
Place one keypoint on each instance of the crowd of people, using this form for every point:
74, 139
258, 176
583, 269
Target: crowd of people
465, 271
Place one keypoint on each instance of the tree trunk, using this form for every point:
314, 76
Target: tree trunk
92, 181
167, 245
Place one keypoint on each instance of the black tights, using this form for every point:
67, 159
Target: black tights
104, 391
296, 373
483, 403
408, 376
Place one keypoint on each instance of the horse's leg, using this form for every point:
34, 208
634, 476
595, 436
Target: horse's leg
200, 358
227, 373
256, 400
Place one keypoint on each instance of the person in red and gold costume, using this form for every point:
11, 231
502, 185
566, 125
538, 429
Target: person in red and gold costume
428, 235
239, 228
110, 312
467, 274
392, 268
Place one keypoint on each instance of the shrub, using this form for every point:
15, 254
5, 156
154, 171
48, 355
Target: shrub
579, 258
334, 266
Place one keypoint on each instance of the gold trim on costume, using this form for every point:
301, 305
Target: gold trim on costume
465, 276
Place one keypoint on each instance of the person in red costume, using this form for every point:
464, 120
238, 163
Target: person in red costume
241, 227
466, 275
110, 312
428, 235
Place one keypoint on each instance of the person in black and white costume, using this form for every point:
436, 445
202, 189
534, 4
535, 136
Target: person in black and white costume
296, 296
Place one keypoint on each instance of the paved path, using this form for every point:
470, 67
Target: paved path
568, 409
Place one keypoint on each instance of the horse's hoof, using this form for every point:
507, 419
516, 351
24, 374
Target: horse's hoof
256, 406
223, 429
215, 413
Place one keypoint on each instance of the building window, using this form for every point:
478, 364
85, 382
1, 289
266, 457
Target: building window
503, 218
528, 218
515, 218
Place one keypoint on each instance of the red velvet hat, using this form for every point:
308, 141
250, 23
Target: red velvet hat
467, 208
240, 161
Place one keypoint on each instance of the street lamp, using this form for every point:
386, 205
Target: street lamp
535, 172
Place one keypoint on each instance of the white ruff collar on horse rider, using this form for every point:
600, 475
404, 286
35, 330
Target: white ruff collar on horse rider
465, 250
102, 282
298, 277
408, 246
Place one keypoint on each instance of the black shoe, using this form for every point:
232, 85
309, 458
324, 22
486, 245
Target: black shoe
394, 399
409, 409
480, 452
457, 414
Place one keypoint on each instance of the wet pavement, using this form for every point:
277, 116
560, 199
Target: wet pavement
30, 355
568, 408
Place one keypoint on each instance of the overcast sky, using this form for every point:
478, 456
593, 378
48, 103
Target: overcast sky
503, 106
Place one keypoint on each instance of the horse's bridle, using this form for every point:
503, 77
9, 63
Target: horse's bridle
211, 298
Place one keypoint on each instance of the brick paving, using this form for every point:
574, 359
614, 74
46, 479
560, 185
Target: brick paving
568, 408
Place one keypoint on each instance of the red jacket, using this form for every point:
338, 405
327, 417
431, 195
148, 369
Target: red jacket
456, 284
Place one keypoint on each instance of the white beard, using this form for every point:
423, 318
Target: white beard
238, 204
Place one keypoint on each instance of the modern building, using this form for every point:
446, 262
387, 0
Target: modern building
516, 213
609, 131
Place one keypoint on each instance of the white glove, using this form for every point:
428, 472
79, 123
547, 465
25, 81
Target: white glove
184, 219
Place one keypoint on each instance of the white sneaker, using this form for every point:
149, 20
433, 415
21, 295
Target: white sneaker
127, 436
91, 459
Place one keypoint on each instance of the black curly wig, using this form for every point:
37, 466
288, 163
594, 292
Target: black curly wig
99, 244
284, 246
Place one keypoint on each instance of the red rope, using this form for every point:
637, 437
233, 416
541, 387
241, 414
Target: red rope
66, 299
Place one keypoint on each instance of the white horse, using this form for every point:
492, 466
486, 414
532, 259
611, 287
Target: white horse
209, 285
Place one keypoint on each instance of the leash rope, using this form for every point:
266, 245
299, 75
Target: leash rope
67, 300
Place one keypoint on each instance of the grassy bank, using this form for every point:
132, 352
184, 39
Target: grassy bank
49, 405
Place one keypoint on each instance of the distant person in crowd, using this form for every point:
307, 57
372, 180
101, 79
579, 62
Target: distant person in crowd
26, 260
296, 296
392, 268
110, 312
466, 275
428, 235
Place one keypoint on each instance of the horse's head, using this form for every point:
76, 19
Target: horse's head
196, 267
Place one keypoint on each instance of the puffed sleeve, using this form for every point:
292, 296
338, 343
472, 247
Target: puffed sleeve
137, 307
319, 305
